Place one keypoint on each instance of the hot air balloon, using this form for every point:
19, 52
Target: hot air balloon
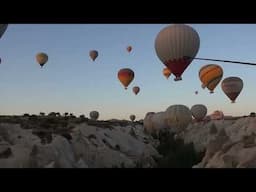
178, 117
232, 87
3, 28
196, 92
93, 54
155, 122
136, 90
129, 48
125, 76
42, 58
176, 46
210, 76
167, 72
132, 117
199, 111
94, 115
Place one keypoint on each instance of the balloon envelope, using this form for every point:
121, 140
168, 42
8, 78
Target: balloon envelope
232, 87
125, 76
93, 54
94, 115
132, 117
178, 117
210, 76
199, 111
129, 48
136, 90
167, 72
41, 58
176, 46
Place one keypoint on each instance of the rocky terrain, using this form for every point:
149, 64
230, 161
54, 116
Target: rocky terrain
70, 142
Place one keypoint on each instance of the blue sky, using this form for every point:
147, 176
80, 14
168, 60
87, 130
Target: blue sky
71, 82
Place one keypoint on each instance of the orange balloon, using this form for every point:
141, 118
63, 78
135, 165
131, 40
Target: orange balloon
167, 72
210, 76
136, 90
125, 76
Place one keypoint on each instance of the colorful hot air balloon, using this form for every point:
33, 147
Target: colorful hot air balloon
176, 46
199, 111
167, 72
125, 76
129, 48
232, 87
94, 115
42, 58
178, 117
210, 76
136, 90
132, 117
3, 28
93, 54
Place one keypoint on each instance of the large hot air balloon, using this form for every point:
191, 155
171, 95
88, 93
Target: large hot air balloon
199, 111
42, 58
176, 46
93, 54
94, 115
210, 76
167, 72
155, 122
136, 90
3, 28
125, 76
129, 48
178, 117
232, 87
132, 117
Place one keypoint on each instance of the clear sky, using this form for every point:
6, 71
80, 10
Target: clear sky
71, 82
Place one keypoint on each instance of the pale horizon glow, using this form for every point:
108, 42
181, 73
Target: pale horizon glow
71, 82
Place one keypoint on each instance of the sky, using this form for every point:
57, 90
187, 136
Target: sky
71, 82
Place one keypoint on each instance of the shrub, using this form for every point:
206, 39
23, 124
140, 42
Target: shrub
175, 153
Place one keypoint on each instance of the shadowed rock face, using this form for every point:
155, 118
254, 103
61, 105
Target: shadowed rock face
93, 144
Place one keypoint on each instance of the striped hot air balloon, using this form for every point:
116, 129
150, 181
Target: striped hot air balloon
232, 87
210, 76
199, 111
125, 76
176, 46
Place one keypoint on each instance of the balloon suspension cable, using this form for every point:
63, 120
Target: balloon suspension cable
219, 60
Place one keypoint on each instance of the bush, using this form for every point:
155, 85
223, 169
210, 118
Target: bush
176, 154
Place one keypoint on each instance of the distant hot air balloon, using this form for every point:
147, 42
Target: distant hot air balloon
176, 46
210, 76
125, 76
132, 117
42, 58
93, 54
3, 28
129, 48
196, 92
94, 115
167, 72
232, 87
136, 90
178, 117
199, 111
